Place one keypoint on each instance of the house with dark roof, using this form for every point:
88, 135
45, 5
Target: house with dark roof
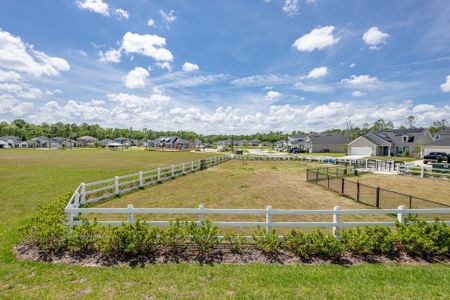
396, 142
13, 141
87, 141
172, 142
334, 143
295, 142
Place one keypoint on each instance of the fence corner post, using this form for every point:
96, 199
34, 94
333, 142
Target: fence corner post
130, 213
141, 179
116, 185
268, 218
400, 213
336, 221
201, 214
82, 193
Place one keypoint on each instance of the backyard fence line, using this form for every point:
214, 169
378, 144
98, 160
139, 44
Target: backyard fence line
422, 171
369, 195
91, 192
336, 224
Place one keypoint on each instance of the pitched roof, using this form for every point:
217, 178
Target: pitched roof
443, 142
329, 139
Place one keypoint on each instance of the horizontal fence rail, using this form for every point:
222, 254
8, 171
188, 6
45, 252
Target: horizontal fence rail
201, 212
422, 171
369, 195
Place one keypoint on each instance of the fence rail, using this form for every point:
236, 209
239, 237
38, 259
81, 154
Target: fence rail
369, 195
422, 171
130, 212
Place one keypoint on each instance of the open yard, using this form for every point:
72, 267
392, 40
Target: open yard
29, 178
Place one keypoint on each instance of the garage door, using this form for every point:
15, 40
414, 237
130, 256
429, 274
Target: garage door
443, 149
366, 151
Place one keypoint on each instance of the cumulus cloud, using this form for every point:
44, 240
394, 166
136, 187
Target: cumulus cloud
18, 56
314, 88
358, 94
374, 37
121, 14
291, 7
112, 55
136, 78
150, 45
164, 66
445, 87
317, 73
168, 17
271, 95
361, 81
317, 39
9, 76
190, 67
151, 23
97, 6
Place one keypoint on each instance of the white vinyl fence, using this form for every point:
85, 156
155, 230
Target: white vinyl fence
335, 222
422, 171
92, 192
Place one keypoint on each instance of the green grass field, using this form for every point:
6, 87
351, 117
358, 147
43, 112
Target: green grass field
29, 178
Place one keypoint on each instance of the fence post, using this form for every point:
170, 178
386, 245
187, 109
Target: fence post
367, 163
336, 221
116, 185
130, 214
377, 200
400, 213
201, 213
184, 168
173, 170
76, 200
158, 174
357, 191
268, 218
141, 179
192, 166
328, 181
317, 176
421, 172
342, 186
83, 193
410, 202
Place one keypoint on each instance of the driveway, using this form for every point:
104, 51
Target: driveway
263, 152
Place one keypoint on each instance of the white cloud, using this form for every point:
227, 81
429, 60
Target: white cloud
317, 73
358, 94
164, 66
374, 37
136, 78
314, 88
9, 76
352, 65
291, 7
180, 80
311, 1
168, 17
20, 90
151, 23
190, 67
260, 80
121, 14
150, 45
271, 95
18, 56
445, 87
97, 6
112, 55
136, 103
317, 39
361, 81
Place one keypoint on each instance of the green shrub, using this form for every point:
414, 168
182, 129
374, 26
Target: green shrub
176, 236
47, 230
369, 240
83, 238
204, 235
312, 244
422, 239
128, 240
236, 242
267, 242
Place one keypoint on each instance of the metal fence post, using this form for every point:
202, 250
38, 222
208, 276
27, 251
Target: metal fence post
328, 181
410, 202
268, 218
141, 179
377, 199
317, 176
357, 191
201, 213
342, 186
336, 220
130, 214
400, 213
116, 185
83, 193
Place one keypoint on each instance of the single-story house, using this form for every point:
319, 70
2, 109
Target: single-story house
326, 143
12, 141
4, 145
62, 142
391, 142
87, 141
295, 142
254, 143
123, 141
151, 143
115, 146
440, 135
105, 142
41, 142
172, 142
242, 143
441, 145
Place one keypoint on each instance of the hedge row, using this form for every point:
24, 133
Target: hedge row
48, 232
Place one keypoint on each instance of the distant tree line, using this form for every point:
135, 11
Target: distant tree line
27, 131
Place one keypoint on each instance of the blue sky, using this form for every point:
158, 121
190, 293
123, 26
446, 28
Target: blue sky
224, 66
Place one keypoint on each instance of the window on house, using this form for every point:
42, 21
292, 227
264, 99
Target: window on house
405, 138
437, 137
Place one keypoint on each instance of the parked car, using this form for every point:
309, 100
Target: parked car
296, 150
279, 149
436, 157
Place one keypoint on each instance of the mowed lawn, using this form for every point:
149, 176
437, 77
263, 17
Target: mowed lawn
29, 178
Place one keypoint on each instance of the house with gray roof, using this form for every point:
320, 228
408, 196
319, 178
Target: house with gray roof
172, 142
395, 142
12, 141
441, 145
295, 142
87, 141
334, 143
440, 135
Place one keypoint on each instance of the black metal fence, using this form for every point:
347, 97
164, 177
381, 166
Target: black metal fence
333, 179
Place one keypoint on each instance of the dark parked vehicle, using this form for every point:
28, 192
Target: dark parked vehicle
436, 157
296, 150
